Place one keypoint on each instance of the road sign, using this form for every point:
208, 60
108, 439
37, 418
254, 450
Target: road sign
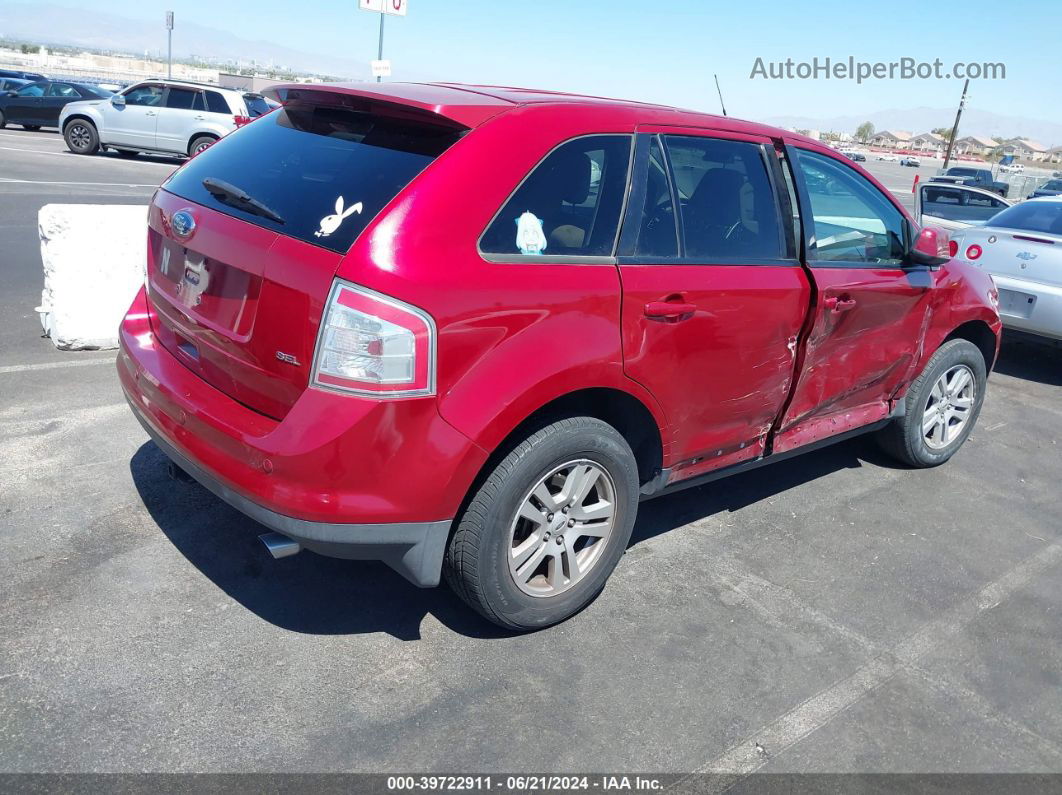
396, 7
381, 68
169, 20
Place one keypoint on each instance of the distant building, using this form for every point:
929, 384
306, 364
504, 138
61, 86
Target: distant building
892, 139
1025, 149
928, 142
1054, 155
975, 145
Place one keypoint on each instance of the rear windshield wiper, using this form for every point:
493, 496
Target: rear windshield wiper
230, 194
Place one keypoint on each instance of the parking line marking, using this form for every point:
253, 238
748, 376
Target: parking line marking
71, 154
743, 758
66, 182
24, 368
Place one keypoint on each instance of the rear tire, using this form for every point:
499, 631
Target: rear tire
3, 121
509, 557
31, 127
199, 143
81, 137
941, 407
127, 153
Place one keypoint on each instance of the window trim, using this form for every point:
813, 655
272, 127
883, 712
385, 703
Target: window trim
562, 259
147, 84
632, 218
807, 217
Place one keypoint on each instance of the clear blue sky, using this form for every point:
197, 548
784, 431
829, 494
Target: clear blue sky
667, 51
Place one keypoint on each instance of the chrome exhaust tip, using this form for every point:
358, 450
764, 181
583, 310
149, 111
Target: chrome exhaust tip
280, 546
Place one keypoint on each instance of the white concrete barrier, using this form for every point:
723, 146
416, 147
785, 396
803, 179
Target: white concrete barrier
94, 257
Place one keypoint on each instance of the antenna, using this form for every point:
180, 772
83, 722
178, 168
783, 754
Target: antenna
720, 92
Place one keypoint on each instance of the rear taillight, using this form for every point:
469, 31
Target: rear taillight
373, 344
953, 248
973, 252
241, 120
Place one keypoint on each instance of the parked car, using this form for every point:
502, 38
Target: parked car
1014, 168
12, 84
913, 162
39, 104
167, 116
975, 177
20, 75
1053, 187
857, 157
619, 310
887, 157
1022, 248
955, 207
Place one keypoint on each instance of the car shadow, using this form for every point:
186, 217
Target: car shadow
317, 595
1030, 358
166, 160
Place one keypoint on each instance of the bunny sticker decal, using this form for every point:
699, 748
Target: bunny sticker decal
330, 223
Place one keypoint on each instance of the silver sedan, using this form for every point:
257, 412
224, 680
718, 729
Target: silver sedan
1022, 248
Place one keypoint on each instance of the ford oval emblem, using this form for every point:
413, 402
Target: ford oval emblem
182, 223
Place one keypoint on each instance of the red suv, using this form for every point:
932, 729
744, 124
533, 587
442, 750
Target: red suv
466, 330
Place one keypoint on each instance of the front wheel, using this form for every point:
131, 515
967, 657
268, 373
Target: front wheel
547, 526
941, 407
81, 137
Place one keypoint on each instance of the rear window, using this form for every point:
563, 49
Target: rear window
256, 105
1034, 216
326, 170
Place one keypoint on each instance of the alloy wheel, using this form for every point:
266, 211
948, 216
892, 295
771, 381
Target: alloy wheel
561, 528
80, 137
949, 407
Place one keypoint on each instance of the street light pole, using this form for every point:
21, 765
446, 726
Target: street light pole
379, 53
169, 44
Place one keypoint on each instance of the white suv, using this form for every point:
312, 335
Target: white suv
169, 116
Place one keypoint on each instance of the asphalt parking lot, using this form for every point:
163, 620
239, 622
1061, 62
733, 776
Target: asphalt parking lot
831, 613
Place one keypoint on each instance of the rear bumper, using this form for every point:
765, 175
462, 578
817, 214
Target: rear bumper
1043, 316
413, 549
344, 476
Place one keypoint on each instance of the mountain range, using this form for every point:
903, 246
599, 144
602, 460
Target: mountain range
53, 24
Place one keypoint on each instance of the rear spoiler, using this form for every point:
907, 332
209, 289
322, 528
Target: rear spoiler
460, 107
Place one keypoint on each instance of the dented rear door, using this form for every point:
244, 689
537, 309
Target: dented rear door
713, 296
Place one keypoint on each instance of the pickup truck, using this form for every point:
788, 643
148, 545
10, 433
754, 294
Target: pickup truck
630, 300
974, 177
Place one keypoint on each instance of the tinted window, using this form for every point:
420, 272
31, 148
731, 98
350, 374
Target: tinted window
62, 90
180, 98
657, 235
570, 203
1052, 184
728, 207
216, 103
955, 204
309, 158
144, 95
32, 90
853, 221
1034, 216
256, 105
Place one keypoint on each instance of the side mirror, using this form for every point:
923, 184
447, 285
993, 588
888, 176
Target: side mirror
118, 101
11, 93
932, 247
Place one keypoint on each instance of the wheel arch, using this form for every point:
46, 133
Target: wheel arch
625, 412
80, 117
200, 134
980, 334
